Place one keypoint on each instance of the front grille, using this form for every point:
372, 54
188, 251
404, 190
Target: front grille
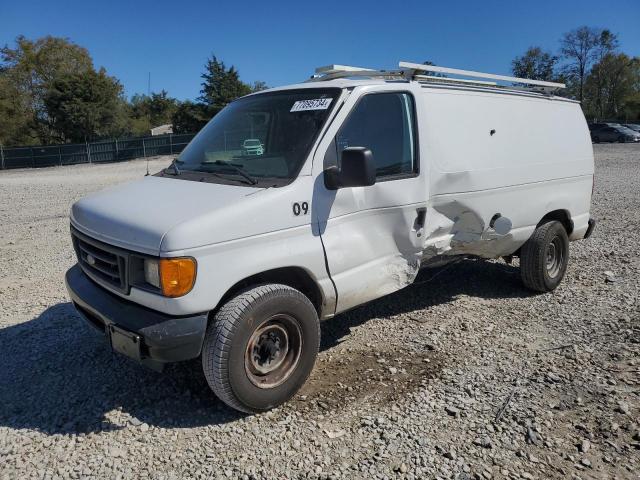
103, 263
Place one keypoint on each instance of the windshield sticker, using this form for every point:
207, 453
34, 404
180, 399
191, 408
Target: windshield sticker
315, 104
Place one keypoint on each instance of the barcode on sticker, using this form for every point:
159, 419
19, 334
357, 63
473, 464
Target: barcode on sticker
315, 104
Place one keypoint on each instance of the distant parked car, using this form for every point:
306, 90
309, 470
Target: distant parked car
252, 146
633, 126
597, 126
614, 134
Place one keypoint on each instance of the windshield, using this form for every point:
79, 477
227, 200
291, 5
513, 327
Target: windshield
264, 138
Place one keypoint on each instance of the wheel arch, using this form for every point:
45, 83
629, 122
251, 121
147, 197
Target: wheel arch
294, 277
562, 216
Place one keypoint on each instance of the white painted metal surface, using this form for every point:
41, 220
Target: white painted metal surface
482, 151
341, 68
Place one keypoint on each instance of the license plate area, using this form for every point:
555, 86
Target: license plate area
125, 342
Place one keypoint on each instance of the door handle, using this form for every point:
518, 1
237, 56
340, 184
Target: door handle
418, 223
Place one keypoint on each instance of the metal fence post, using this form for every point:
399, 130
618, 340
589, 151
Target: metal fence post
1, 156
33, 158
117, 155
60, 154
170, 144
144, 149
88, 152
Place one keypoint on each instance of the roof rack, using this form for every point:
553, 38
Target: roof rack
331, 72
414, 71
468, 73
434, 78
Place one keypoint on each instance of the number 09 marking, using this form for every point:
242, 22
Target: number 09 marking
300, 208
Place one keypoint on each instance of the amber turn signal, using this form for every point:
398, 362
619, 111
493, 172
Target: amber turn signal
177, 276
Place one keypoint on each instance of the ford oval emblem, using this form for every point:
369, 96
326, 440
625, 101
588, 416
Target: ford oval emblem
90, 259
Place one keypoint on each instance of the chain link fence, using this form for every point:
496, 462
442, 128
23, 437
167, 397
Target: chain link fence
93, 152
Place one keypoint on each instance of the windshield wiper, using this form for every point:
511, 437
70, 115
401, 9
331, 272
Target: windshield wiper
174, 165
236, 169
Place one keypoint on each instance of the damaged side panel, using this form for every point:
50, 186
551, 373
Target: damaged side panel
456, 228
372, 253
461, 223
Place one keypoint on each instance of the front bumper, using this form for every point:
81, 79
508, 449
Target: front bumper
151, 337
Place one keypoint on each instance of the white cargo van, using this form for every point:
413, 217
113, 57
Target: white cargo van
362, 178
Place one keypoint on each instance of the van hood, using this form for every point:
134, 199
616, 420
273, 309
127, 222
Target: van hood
139, 215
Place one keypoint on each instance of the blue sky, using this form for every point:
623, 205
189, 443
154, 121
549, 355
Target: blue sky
282, 42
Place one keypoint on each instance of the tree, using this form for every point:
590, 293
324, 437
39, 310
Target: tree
612, 87
190, 117
578, 47
148, 111
221, 85
597, 79
31, 66
535, 64
258, 86
631, 108
15, 122
85, 105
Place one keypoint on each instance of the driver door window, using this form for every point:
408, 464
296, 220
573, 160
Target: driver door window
383, 123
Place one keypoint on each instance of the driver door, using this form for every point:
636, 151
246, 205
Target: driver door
373, 235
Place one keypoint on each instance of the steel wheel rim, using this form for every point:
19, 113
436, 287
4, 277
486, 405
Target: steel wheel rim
555, 257
273, 351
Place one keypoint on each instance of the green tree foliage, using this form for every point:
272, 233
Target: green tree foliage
606, 82
596, 80
535, 64
51, 93
15, 121
85, 105
612, 88
30, 67
190, 117
148, 111
221, 85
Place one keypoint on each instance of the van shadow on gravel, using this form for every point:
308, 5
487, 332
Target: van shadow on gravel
58, 376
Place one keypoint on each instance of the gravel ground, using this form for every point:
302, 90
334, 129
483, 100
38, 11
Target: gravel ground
463, 375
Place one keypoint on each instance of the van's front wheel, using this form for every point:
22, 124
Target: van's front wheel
261, 347
544, 257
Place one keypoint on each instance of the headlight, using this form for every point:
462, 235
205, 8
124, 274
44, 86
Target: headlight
151, 272
173, 276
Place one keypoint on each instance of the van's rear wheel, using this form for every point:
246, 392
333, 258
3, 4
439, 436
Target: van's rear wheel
544, 257
261, 347
596, 139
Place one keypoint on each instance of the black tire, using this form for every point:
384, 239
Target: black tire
544, 257
621, 139
596, 139
243, 343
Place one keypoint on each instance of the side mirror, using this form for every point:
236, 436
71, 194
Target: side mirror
357, 170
